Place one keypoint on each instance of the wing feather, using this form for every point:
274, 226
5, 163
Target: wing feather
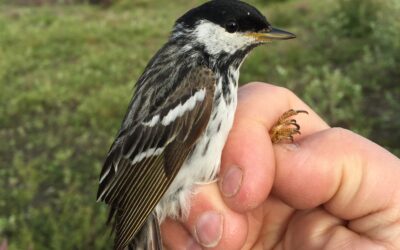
148, 154
133, 221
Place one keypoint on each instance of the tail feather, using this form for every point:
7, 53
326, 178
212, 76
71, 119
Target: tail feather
154, 241
149, 236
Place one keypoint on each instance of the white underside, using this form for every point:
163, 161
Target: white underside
200, 167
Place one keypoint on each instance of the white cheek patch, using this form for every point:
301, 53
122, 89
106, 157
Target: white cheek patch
216, 39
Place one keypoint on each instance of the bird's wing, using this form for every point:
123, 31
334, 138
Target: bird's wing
144, 160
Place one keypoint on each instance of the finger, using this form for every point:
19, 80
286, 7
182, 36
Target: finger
266, 103
247, 168
275, 218
212, 223
175, 236
318, 229
353, 178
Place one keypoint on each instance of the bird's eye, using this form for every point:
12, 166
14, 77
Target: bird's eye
231, 26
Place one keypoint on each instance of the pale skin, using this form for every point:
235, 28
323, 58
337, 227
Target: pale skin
331, 189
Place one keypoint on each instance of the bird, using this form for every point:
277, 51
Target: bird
178, 119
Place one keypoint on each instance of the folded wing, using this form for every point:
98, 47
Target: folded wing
145, 157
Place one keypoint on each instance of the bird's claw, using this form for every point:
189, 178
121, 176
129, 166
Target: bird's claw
285, 128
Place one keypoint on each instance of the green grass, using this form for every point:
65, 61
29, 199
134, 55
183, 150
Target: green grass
67, 73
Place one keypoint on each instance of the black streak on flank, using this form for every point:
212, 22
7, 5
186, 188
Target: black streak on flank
217, 97
214, 116
191, 152
225, 88
206, 147
219, 126
180, 189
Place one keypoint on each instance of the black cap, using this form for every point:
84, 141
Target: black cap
223, 12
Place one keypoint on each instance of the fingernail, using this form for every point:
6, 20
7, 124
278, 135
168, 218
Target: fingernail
208, 229
231, 181
192, 245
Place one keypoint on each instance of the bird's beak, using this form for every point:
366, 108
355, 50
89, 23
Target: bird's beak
271, 34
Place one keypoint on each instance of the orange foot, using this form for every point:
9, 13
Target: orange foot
285, 128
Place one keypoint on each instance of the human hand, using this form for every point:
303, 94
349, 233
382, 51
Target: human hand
333, 189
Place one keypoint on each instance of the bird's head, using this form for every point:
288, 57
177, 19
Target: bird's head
226, 26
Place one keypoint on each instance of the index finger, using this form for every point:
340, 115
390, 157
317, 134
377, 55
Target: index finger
248, 167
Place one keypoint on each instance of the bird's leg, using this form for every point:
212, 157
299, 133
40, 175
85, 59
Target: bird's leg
285, 128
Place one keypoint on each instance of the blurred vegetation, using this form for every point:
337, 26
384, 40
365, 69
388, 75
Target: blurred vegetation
66, 77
